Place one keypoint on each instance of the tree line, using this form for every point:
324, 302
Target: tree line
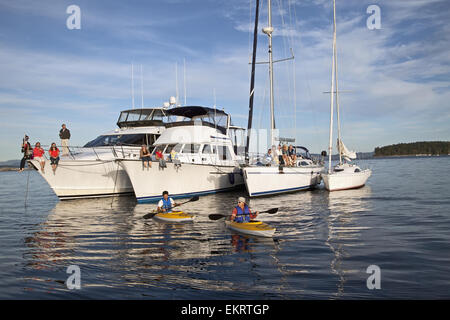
414, 148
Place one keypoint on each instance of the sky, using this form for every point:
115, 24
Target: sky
394, 79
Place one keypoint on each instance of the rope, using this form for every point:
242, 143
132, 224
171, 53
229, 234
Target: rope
26, 192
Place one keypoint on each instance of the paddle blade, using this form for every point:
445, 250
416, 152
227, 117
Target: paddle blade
271, 211
216, 216
150, 215
195, 198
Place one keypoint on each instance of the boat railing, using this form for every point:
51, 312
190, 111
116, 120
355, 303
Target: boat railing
101, 153
260, 159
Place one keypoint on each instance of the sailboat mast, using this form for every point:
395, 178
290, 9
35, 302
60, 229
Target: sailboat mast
333, 69
269, 31
252, 80
336, 80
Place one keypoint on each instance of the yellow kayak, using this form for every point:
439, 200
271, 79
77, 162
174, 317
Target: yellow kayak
254, 228
176, 216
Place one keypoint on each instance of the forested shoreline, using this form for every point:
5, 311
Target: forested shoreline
423, 148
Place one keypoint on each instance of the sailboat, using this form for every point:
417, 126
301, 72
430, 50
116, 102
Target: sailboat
273, 179
344, 175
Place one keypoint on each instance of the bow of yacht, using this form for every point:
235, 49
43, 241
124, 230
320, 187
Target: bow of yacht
91, 171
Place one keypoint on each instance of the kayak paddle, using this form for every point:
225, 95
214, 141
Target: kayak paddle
152, 214
220, 216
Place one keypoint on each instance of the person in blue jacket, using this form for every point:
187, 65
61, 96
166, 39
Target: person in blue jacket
166, 204
242, 213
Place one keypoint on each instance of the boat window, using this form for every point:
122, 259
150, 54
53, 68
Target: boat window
117, 139
191, 148
304, 163
134, 116
206, 149
175, 147
123, 116
224, 153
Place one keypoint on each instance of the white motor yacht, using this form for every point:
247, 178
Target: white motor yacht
91, 171
199, 157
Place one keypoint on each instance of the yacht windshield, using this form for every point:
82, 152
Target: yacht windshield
118, 139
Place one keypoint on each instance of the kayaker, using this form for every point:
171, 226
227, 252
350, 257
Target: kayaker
166, 204
242, 213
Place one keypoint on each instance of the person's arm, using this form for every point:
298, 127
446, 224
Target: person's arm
68, 133
253, 215
233, 214
160, 206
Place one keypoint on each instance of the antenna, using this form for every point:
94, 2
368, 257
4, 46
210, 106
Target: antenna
132, 85
176, 83
215, 114
142, 89
184, 76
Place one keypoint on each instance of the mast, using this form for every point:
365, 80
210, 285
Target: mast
268, 30
252, 80
333, 69
336, 79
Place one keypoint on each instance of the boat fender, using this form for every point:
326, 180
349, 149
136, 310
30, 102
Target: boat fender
231, 177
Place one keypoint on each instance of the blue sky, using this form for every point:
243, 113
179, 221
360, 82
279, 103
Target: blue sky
398, 76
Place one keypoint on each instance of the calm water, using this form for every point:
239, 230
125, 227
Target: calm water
400, 221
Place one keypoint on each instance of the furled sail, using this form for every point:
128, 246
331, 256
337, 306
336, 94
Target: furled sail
347, 154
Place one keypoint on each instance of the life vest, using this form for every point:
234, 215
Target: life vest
167, 204
242, 216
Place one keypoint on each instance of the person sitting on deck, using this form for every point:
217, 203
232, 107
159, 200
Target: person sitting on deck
241, 213
166, 204
285, 156
292, 155
268, 158
38, 154
145, 157
54, 156
160, 157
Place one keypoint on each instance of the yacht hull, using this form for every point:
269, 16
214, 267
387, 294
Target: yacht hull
74, 179
336, 181
184, 181
263, 181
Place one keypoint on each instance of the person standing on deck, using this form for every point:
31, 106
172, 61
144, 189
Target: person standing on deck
27, 152
166, 204
64, 134
242, 213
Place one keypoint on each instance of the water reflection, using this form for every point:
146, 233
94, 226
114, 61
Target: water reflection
344, 230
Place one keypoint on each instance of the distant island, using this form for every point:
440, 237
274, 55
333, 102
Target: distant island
423, 148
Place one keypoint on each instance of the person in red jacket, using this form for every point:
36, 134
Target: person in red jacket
38, 154
54, 156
